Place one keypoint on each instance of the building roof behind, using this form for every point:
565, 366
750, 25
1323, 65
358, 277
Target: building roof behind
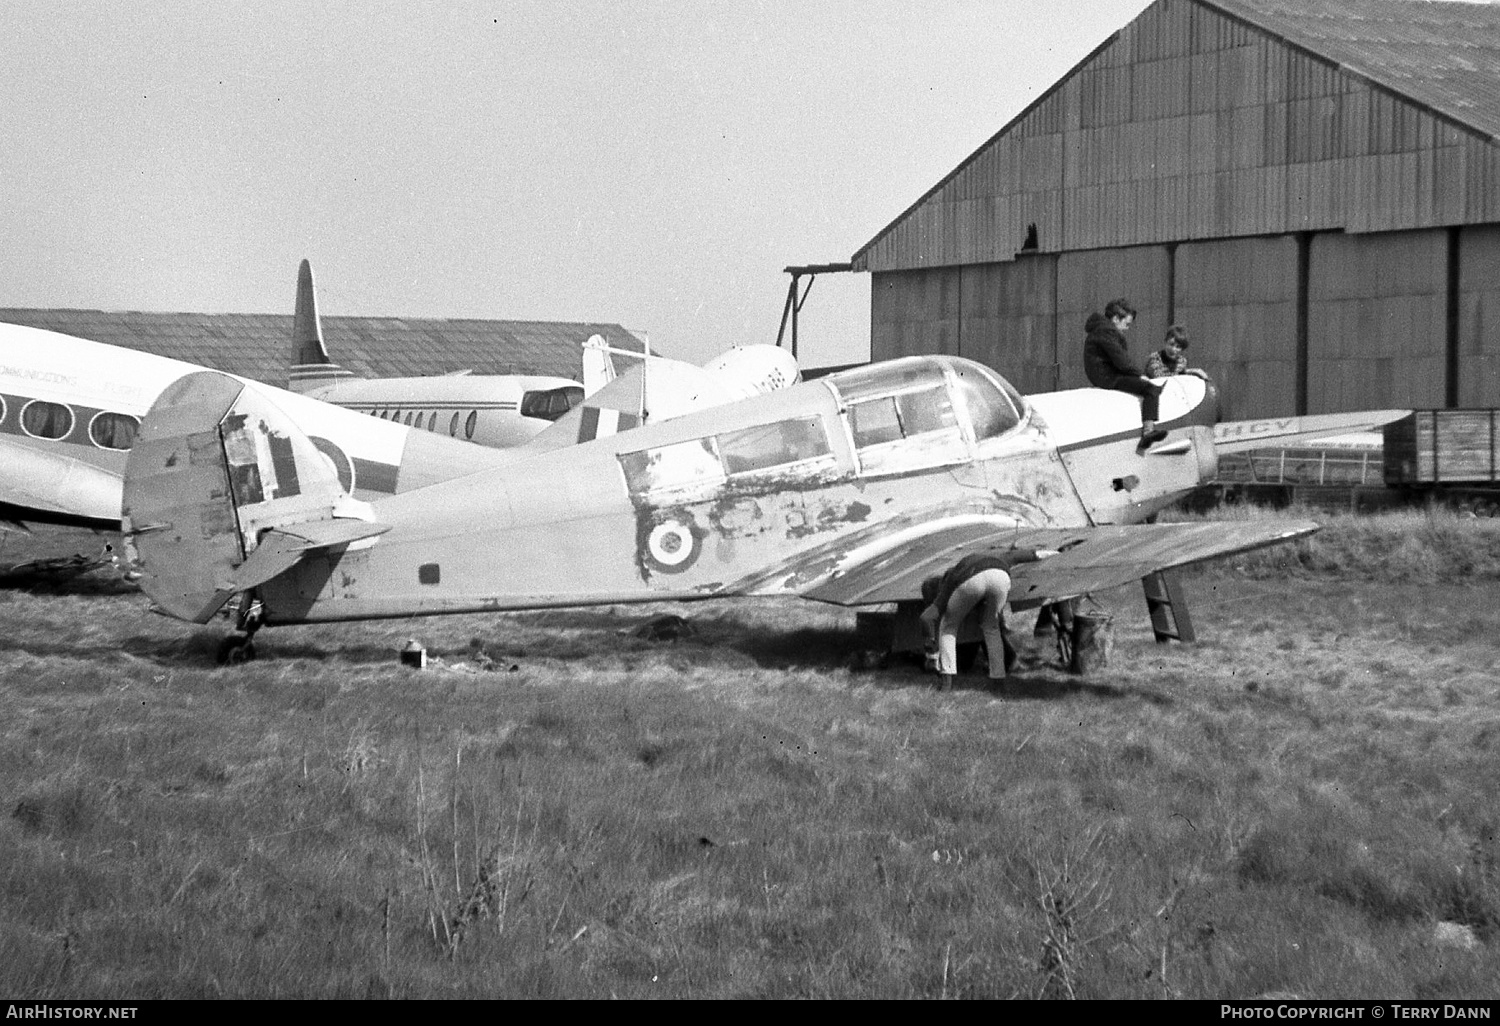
258, 346
1439, 58
1440, 54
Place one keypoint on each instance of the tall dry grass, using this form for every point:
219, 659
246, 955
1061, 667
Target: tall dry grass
1292, 805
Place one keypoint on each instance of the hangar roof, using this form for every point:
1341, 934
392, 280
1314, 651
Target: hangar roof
258, 346
1110, 154
1443, 55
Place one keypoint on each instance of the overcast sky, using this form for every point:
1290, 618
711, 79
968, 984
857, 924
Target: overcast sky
653, 164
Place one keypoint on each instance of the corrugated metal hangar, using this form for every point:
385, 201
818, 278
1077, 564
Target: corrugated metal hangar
258, 346
1312, 187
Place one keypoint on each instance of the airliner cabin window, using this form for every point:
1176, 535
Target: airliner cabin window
407, 421
432, 421
113, 430
470, 423
453, 425
42, 419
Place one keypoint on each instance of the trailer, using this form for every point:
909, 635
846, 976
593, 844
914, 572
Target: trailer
1446, 457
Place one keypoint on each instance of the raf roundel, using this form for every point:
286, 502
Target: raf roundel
672, 546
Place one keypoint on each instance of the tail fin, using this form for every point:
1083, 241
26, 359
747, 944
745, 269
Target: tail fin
311, 368
598, 368
222, 492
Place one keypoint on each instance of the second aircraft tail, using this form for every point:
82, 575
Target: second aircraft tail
311, 368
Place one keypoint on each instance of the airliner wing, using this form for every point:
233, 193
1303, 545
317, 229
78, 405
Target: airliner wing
43, 487
1091, 558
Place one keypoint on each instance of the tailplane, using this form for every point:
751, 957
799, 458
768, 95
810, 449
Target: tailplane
311, 368
222, 493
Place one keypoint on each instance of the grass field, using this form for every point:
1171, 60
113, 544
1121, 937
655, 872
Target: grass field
1305, 802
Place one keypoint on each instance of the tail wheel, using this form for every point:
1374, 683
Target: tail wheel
235, 650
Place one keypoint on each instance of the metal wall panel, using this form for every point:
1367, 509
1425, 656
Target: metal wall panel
1479, 316
1008, 320
1238, 300
1377, 320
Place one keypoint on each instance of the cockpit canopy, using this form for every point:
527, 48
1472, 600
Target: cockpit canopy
919, 394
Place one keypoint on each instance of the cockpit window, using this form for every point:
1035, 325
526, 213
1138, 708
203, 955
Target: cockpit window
552, 403
994, 407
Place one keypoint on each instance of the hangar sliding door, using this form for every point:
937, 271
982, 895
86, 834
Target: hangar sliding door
1008, 322
1479, 316
914, 312
1377, 320
1238, 300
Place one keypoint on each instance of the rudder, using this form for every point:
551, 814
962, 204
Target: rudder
216, 468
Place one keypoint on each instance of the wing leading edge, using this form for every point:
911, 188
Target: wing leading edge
1091, 558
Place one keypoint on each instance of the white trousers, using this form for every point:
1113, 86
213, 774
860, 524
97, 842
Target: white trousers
988, 589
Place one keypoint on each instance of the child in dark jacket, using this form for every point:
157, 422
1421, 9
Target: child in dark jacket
1107, 364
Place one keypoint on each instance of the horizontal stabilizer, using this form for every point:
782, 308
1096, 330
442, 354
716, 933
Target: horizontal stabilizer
281, 547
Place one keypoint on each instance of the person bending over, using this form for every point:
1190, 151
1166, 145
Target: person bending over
982, 580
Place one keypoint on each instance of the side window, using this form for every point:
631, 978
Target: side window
470, 423
407, 421
453, 425
113, 430
683, 465
772, 445
906, 431
432, 421
42, 419
877, 421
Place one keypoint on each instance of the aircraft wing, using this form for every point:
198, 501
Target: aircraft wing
37, 486
1282, 432
1091, 558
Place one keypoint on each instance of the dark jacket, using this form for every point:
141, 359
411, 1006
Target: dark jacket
1105, 361
975, 564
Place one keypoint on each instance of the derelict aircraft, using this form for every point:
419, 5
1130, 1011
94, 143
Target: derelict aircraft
848, 489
